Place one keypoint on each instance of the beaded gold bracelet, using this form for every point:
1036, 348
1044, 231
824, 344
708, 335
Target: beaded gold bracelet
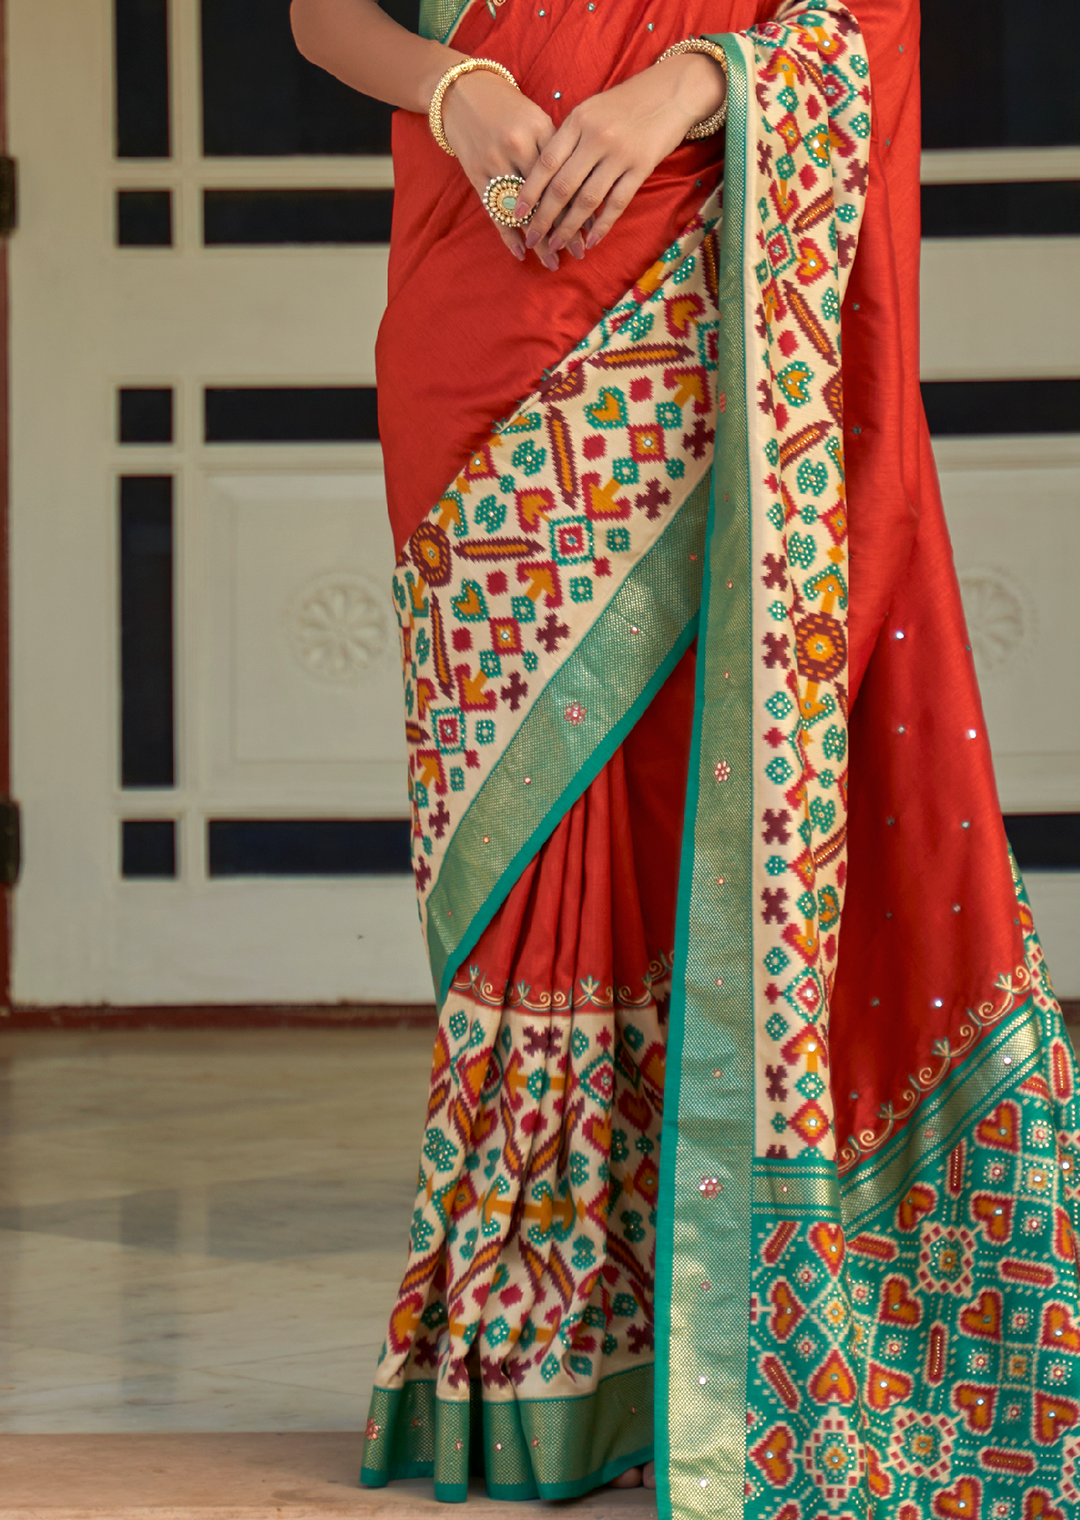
466, 67
714, 51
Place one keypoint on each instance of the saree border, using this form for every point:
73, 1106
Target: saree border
970, 1089
518, 1445
548, 764
440, 19
705, 1220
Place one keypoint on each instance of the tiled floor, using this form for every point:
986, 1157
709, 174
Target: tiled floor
202, 1231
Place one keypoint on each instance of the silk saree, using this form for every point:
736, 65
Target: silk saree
753, 1132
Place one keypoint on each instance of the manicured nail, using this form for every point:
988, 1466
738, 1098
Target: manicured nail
532, 237
518, 252
577, 248
553, 262
592, 240
521, 210
556, 244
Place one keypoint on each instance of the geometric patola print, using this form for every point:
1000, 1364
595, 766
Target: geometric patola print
512, 567
923, 1360
810, 187
533, 1233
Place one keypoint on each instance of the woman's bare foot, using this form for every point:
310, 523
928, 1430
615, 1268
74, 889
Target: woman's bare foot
636, 1477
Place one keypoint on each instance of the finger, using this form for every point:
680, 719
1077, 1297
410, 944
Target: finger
514, 241
550, 169
619, 197
569, 183
587, 204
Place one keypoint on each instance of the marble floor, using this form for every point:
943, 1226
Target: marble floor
201, 1230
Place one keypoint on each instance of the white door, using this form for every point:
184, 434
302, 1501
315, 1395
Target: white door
205, 693
260, 735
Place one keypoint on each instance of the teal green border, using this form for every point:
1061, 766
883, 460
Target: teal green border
978, 1082
438, 18
615, 674
708, 1123
531, 1443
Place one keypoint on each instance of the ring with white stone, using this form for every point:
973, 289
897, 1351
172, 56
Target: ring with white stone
501, 197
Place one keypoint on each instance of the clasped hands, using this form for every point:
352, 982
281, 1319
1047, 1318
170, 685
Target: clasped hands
581, 176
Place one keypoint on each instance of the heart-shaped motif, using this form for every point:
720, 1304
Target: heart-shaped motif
916, 1202
983, 1317
828, 1241
994, 1214
1001, 1128
885, 1387
832, 1382
651, 1066
897, 1306
794, 380
1064, 1237
1059, 1332
635, 1108
681, 312
812, 478
878, 1480
787, 1311
608, 410
1053, 1417
404, 1320
976, 1404
1038, 1506
470, 606
961, 1502
773, 1455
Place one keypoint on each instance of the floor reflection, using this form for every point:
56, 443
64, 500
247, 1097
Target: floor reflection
202, 1231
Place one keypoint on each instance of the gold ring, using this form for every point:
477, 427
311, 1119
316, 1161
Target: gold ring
500, 198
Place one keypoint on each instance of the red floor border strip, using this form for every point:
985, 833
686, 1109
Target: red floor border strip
223, 1016
258, 1016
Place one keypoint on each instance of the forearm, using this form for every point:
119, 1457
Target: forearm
361, 45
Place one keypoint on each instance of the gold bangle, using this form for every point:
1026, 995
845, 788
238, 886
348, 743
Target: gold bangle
466, 67
714, 51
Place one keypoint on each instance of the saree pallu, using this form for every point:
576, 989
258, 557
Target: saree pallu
753, 1132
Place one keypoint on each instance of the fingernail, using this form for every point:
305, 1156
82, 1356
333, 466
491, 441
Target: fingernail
556, 244
518, 252
577, 248
532, 238
553, 262
521, 210
592, 240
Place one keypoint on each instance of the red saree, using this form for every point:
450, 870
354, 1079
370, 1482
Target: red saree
862, 1142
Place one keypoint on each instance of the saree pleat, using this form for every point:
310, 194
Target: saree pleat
555, 1105
753, 1126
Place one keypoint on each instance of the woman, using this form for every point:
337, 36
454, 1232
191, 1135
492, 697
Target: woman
753, 1122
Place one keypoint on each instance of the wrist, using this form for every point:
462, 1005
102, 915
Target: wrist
441, 59
699, 85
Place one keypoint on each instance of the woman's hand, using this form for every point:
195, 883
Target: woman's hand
607, 147
495, 129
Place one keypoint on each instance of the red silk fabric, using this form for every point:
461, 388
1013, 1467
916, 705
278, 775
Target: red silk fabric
930, 920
